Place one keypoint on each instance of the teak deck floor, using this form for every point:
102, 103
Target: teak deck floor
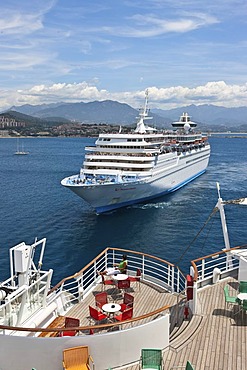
214, 339
158, 298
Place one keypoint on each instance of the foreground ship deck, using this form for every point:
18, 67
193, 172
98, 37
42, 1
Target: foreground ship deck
212, 335
187, 318
215, 338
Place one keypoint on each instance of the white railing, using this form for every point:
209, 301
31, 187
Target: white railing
153, 269
224, 261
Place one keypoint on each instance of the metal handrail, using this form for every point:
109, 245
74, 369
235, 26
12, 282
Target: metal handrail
88, 327
212, 256
97, 260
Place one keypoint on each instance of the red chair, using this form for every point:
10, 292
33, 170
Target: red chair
101, 299
128, 302
106, 282
70, 322
136, 278
123, 284
67, 333
125, 315
96, 315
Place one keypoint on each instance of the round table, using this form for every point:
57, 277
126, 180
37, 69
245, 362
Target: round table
242, 296
119, 277
111, 308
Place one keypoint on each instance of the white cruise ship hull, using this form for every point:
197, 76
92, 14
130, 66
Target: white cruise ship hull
163, 180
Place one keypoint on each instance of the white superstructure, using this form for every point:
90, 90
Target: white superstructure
123, 169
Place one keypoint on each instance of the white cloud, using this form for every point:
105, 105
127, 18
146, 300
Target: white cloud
217, 93
13, 62
152, 25
48, 47
20, 20
20, 24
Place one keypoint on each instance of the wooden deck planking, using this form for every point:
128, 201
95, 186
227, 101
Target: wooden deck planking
156, 298
58, 322
220, 341
213, 339
218, 344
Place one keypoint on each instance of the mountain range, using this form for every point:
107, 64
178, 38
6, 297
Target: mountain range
112, 112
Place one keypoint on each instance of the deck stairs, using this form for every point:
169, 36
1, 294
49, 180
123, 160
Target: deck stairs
182, 331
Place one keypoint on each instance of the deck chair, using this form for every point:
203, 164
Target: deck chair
188, 366
96, 315
244, 306
70, 322
101, 299
77, 358
243, 287
128, 302
123, 284
106, 282
125, 315
229, 299
151, 359
136, 278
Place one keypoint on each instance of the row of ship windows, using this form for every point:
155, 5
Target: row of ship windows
119, 161
136, 140
118, 168
107, 139
111, 154
126, 147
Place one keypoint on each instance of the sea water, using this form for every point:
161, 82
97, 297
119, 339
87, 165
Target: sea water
34, 204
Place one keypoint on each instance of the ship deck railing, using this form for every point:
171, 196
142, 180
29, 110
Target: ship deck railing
154, 270
159, 279
101, 179
204, 268
195, 339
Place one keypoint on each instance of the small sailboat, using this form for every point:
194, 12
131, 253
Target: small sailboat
20, 151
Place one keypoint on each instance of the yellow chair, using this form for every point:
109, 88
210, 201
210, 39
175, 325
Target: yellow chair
77, 358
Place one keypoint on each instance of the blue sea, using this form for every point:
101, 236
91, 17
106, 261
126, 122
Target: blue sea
34, 204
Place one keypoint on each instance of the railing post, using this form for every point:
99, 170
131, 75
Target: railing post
143, 267
113, 257
80, 288
178, 280
203, 268
94, 272
172, 282
48, 283
168, 275
22, 307
106, 257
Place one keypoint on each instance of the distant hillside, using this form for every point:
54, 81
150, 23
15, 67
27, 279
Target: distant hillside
34, 121
32, 109
108, 111
208, 117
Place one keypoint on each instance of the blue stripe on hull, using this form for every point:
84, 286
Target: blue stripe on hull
141, 200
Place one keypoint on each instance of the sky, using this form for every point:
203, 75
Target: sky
183, 51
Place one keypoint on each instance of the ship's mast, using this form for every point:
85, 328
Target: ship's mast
143, 115
220, 206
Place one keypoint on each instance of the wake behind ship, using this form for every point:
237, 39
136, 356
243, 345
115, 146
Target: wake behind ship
124, 169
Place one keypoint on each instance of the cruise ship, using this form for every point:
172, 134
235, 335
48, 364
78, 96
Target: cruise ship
124, 169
